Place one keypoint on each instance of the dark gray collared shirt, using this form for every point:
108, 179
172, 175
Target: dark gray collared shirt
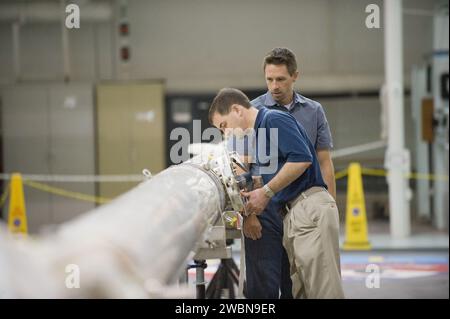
308, 113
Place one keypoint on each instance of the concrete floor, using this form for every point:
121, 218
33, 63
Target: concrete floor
416, 267
402, 274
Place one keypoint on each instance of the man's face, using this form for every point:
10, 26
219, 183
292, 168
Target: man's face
280, 83
232, 123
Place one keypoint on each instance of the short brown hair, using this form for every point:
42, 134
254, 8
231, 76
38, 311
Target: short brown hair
225, 99
280, 56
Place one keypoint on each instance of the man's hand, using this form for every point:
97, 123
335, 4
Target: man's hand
257, 201
252, 227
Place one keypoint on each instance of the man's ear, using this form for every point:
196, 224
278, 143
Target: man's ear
212, 120
295, 75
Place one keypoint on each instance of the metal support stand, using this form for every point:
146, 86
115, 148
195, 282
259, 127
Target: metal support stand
224, 280
200, 283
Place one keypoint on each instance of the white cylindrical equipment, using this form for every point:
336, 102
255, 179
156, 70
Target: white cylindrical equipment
128, 248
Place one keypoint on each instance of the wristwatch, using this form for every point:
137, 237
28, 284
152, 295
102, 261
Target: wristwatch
268, 191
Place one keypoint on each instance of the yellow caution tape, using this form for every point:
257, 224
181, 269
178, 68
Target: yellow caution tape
101, 200
374, 172
384, 173
66, 193
428, 176
341, 174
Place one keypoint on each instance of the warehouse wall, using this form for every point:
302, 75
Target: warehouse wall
41, 57
203, 45
198, 51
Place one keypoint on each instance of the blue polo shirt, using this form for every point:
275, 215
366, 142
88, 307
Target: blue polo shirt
292, 145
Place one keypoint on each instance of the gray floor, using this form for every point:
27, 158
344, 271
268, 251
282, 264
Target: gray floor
412, 268
402, 274
435, 287
410, 274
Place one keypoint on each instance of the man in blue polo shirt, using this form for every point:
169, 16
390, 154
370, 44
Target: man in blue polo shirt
292, 178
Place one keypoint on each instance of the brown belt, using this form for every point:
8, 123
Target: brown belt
299, 198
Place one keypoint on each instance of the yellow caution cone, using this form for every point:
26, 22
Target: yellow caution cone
356, 237
17, 217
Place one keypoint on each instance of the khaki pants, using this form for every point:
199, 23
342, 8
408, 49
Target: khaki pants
311, 239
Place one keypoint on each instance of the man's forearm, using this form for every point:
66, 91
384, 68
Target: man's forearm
327, 170
329, 178
289, 173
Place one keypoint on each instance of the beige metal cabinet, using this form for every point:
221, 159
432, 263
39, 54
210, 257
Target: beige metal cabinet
130, 131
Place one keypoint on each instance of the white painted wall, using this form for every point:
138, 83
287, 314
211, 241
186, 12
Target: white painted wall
356, 121
210, 44
41, 57
202, 45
